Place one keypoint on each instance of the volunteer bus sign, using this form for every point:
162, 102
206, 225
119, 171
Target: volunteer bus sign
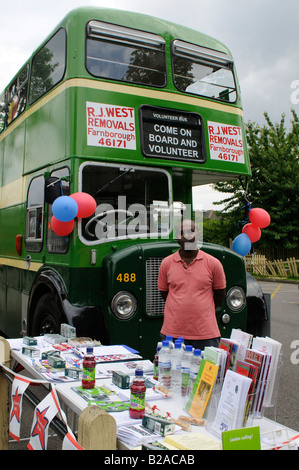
170, 134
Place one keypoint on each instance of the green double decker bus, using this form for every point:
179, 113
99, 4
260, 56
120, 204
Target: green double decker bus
133, 111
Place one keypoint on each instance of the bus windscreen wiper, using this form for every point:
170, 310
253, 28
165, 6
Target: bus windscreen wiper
112, 181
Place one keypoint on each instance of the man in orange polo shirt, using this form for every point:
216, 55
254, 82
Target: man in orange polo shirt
193, 284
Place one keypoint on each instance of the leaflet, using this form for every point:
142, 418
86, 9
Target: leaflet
232, 403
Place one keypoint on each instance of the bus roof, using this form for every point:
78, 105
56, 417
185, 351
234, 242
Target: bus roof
145, 23
164, 28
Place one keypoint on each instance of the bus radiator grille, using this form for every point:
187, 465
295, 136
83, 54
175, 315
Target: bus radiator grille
154, 302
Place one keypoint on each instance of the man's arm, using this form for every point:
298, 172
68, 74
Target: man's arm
219, 296
164, 294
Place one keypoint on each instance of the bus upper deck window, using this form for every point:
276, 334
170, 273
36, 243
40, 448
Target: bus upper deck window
2, 112
203, 71
48, 66
17, 95
124, 54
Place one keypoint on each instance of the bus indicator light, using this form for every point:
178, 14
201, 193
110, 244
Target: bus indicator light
19, 239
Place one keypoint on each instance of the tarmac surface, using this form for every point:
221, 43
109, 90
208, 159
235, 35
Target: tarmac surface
284, 328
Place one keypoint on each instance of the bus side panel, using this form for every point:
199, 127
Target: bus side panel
2, 297
1, 166
11, 218
10, 276
10, 225
10, 301
14, 302
46, 133
13, 161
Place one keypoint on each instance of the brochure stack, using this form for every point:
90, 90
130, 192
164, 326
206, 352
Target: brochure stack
236, 382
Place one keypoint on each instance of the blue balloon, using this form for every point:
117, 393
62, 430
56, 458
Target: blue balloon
242, 244
65, 208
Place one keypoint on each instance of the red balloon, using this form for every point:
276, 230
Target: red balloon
259, 217
253, 232
62, 228
86, 204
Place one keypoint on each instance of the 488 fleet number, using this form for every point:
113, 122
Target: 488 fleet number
126, 277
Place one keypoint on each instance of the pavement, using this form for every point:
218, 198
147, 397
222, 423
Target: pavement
285, 329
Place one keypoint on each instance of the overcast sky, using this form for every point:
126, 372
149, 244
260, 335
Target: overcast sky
262, 36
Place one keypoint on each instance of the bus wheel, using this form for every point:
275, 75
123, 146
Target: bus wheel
46, 318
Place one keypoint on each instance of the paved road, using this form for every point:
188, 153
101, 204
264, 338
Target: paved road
284, 328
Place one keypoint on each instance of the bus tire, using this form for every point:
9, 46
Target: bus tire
46, 317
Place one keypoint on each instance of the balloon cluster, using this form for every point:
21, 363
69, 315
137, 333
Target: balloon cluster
259, 218
66, 208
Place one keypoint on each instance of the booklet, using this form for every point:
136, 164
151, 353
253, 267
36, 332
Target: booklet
232, 347
251, 371
100, 393
136, 434
232, 404
244, 339
127, 367
110, 353
202, 389
262, 361
193, 441
272, 347
218, 357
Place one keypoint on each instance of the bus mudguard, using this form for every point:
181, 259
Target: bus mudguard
49, 306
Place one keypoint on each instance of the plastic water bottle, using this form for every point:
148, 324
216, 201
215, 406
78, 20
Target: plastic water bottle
194, 367
181, 339
176, 368
170, 342
165, 365
156, 362
186, 363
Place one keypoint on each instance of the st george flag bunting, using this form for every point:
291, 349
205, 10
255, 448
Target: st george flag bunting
69, 442
43, 415
18, 388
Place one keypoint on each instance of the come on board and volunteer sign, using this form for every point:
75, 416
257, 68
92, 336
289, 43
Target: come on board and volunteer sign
172, 134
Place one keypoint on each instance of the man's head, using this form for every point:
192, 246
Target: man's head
187, 235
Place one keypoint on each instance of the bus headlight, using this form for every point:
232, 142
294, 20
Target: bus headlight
124, 305
235, 299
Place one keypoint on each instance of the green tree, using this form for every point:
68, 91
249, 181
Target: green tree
274, 185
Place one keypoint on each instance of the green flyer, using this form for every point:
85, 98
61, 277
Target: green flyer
242, 439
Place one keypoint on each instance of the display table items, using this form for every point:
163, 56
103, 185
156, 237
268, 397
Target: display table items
235, 384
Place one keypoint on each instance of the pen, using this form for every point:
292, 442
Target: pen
159, 391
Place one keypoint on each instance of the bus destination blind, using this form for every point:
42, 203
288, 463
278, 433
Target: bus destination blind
171, 134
